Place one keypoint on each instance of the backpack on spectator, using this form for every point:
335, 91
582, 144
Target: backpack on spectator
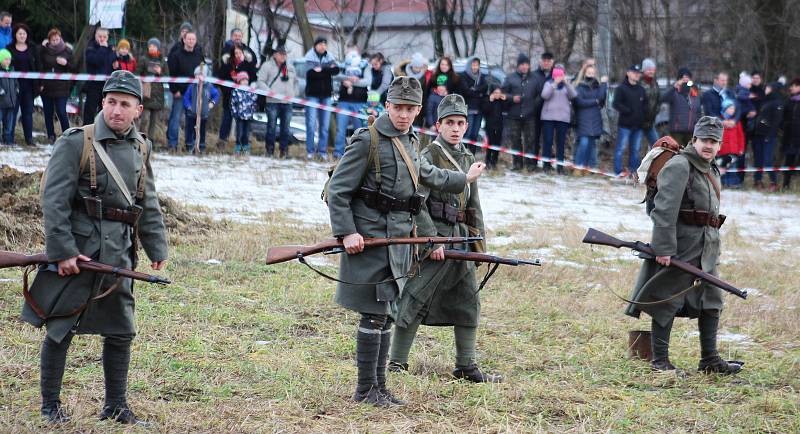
373, 157
663, 149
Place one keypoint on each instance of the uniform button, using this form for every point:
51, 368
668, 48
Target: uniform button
106, 237
392, 217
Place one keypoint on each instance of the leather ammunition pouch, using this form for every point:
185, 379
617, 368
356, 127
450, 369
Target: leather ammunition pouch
93, 206
445, 212
386, 203
698, 217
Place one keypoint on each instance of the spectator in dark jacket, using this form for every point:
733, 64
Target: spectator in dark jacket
650, 84
684, 107
589, 117
436, 95
182, 63
185, 28
757, 89
443, 81
541, 75
630, 101
238, 59
8, 99
231, 63
321, 67
474, 89
56, 57
153, 65
494, 113
352, 98
791, 130
523, 94
712, 98
99, 60
765, 133
25, 58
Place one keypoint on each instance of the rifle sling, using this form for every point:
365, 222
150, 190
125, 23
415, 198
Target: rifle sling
411, 273
696, 284
40, 312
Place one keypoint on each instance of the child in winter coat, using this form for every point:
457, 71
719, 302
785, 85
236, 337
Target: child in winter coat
493, 113
243, 105
125, 61
373, 107
438, 92
733, 145
8, 99
208, 99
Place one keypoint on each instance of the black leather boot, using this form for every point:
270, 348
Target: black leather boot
371, 395
473, 373
716, 365
397, 367
54, 413
122, 414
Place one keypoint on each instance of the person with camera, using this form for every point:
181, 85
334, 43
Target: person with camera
684, 107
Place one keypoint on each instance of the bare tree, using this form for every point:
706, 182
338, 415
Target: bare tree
352, 22
462, 20
303, 24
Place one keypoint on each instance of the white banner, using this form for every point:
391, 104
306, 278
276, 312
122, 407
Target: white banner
108, 12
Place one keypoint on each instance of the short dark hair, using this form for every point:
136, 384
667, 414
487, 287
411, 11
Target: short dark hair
16, 28
378, 56
795, 82
236, 29
757, 72
5, 14
547, 55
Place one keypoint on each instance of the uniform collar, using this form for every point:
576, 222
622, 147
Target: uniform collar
457, 148
384, 126
696, 160
103, 132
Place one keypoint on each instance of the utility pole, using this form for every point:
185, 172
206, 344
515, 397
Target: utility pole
603, 49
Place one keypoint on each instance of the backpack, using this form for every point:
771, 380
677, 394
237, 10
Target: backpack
373, 156
662, 151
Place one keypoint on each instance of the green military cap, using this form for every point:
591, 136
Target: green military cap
405, 90
124, 82
450, 105
708, 127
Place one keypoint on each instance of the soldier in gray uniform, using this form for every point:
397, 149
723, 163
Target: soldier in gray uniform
446, 292
98, 192
686, 222
379, 198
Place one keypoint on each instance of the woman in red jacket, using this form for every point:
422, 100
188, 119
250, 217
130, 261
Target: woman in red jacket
733, 145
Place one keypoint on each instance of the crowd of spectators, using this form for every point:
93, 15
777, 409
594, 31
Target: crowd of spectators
530, 110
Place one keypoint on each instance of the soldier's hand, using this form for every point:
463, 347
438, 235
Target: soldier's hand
663, 260
475, 171
353, 243
438, 254
70, 266
158, 265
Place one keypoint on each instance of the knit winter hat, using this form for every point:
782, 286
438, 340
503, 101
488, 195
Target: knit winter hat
441, 80
4, 54
123, 43
201, 70
417, 60
186, 26
320, 39
745, 80
523, 58
684, 71
648, 63
154, 41
727, 102
558, 71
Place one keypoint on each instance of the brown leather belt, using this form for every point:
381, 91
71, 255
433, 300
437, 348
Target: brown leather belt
94, 208
698, 217
385, 203
447, 213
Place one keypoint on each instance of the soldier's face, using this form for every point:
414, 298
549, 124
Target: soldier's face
706, 147
120, 110
452, 128
402, 115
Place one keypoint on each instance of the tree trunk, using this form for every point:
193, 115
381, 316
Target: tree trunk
303, 24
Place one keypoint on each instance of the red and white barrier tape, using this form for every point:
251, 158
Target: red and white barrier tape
307, 103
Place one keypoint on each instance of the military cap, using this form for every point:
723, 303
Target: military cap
124, 82
405, 90
450, 105
708, 127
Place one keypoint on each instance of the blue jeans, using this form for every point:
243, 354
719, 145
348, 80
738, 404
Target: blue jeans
174, 125
59, 106
559, 129
25, 104
324, 116
763, 153
474, 130
625, 137
227, 122
652, 135
7, 117
586, 151
275, 112
242, 135
342, 122
189, 133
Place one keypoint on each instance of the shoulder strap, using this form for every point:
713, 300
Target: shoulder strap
373, 154
144, 151
412, 170
713, 184
112, 170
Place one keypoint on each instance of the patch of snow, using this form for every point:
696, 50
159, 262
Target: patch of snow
262, 342
213, 262
321, 261
729, 337
565, 263
8, 280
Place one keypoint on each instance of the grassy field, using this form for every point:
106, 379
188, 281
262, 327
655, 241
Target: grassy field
244, 347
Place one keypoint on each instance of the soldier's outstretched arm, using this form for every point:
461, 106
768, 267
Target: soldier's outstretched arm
152, 232
60, 187
345, 182
435, 178
672, 182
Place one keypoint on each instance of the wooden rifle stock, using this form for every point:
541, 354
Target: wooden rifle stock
287, 253
593, 236
13, 259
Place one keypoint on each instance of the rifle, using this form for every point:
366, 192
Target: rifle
461, 255
644, 251
335, 245
12, 259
